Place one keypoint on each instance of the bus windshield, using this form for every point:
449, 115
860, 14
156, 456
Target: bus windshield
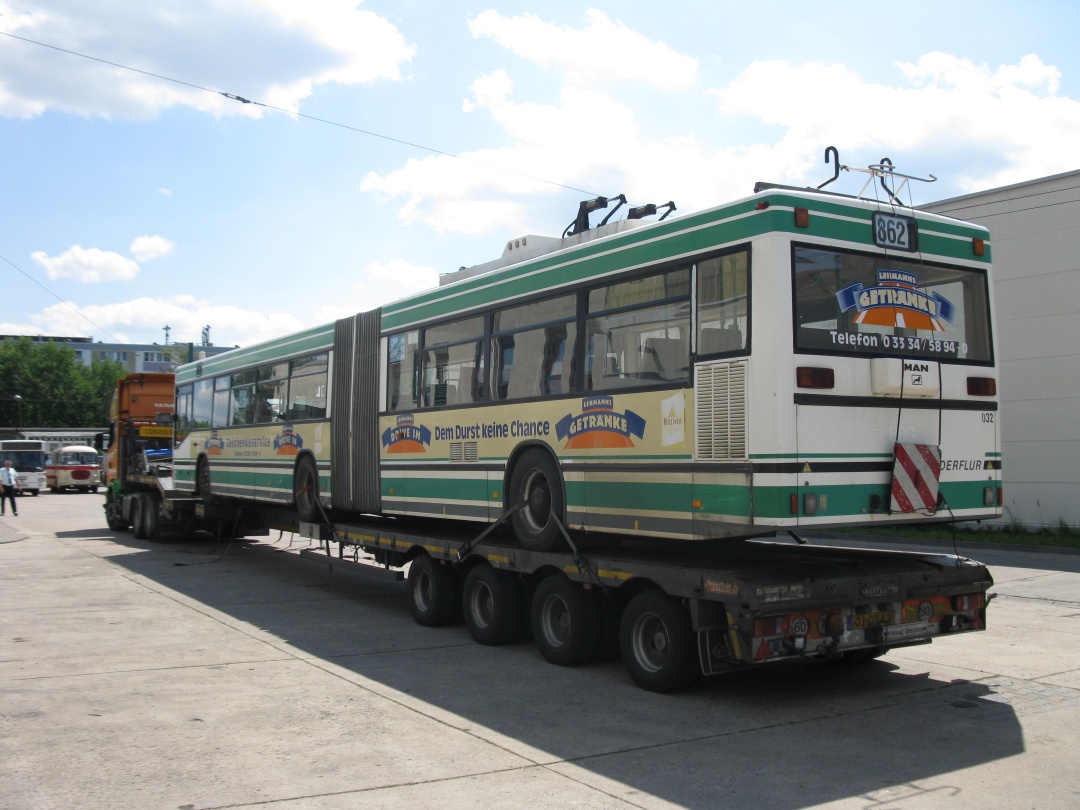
873, 305
24, 460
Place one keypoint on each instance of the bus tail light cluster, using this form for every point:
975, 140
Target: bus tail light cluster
981, 386
992, 496
813, 377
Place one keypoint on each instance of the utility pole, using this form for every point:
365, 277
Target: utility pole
166, 334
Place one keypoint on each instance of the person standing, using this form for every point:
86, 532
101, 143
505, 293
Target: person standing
9, 480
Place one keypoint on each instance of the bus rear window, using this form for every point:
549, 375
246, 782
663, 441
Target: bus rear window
867, 305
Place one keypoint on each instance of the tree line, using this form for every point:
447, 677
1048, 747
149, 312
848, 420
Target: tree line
55, 389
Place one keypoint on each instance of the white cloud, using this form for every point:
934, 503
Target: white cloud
142, 320
271, 51
603, 49
145, 248
947, 104
404, 274
87, 265
994, 125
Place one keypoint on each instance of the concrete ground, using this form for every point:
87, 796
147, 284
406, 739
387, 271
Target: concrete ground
172, 675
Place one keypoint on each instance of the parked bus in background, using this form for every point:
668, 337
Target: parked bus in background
794, 359
29, 457
75, 466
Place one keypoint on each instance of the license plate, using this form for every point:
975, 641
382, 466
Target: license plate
905, 632
861, 621
891, 231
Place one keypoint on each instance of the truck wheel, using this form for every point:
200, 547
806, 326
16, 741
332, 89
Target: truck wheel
537, 485
306, 490
137, 518
657, 642
151, 512
433, 592
114, 517
565, 621
491, 603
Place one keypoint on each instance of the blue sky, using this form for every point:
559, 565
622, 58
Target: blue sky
129, 202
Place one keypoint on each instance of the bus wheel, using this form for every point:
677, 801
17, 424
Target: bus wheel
151, 512
137, 517
565, 621
657, 642
306, 489
535, 484
491, 603
202, 479
433, 592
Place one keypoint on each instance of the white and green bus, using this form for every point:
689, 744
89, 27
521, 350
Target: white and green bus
794, 359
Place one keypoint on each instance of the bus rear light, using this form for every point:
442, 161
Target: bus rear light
794, 504
811, 377
802, 218
982, 386
978, 247
1001, 496
990, 496
810, 503
761, 206
968, 602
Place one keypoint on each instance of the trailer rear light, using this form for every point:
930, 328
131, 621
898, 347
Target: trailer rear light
812, 377
802, 218
978, 247
968, 602
981, 386
771, 626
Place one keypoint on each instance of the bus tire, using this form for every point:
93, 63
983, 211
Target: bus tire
491, 605
535, 483
306, 489
565, 621
151, 512
137, 517
658, 643
433, 592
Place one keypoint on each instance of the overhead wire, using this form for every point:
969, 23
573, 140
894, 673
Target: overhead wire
58, 298
242, 100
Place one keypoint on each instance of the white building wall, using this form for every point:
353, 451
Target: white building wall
1035, 244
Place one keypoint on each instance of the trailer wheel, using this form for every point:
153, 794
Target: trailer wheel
537, 485
433, 592
151, 515
306, 489
565, 621
491, 603
138, 528
657, 642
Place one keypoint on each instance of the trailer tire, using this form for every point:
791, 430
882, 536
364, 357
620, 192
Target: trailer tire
658, 643
306, 489
151, 516
138, 529
433, 592
491, 604
536, 483
565, 621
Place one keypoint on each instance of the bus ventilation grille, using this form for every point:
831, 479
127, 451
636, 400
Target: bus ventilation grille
721, 410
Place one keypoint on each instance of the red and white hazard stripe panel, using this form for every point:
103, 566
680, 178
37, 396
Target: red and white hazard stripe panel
916, 472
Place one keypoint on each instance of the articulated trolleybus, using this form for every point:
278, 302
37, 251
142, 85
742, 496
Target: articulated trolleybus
663, 390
